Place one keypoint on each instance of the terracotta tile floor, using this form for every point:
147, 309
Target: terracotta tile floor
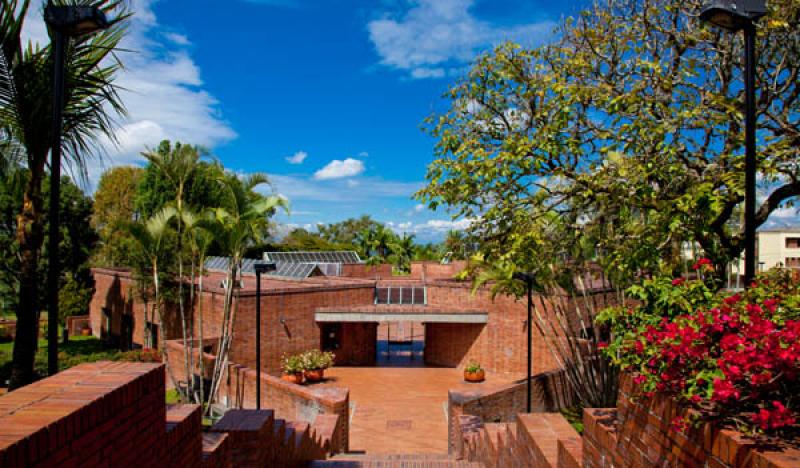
399, 409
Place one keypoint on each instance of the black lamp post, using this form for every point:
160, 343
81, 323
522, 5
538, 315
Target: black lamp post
64, 22
528, 278
736, 15
260, 268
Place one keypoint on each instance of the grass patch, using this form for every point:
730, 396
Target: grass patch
574, 416
78, 350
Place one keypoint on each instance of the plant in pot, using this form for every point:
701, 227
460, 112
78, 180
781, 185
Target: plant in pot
473, 372
293, 367
86, 330
315, 362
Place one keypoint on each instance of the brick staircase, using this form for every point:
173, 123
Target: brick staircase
260, 439
535, 440
349, 460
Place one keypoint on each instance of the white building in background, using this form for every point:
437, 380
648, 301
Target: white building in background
778, 247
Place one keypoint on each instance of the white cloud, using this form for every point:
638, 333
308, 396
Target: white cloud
336, 190
363, 154
419, 208
436, 37
297, 158
179, 39
161, 87
338, 169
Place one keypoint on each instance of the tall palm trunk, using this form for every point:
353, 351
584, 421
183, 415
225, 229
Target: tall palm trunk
30, 236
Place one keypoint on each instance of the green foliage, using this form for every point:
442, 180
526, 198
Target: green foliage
473, 367
315, 359
158, 186
77, 242
113, 208
73, 299
292, 364
627, 129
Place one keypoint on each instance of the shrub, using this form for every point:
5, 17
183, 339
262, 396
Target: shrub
315, 359
735, 358
292, 364
473, 367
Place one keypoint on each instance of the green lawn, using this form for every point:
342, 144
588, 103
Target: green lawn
79, 349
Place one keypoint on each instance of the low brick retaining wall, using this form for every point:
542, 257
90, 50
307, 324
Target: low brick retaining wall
637, 433
494, 404
290, 401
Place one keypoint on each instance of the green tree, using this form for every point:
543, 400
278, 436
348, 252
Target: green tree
402, 252
628, 127
240, 222
91, 101
158, 185
113, 208
78, 239
346, 232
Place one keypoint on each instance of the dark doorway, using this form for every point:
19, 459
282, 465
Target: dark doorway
331, 336
126, 332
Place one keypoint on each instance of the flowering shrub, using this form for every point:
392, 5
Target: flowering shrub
732, 357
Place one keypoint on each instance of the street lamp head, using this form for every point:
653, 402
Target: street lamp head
733, 15
75, 20
261, 267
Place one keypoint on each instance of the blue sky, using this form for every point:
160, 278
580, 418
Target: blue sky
326, 97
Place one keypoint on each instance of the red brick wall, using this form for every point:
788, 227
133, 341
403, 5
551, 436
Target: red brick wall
358, 344
288, 323
638, 433
367, 271
98, 414
499, 345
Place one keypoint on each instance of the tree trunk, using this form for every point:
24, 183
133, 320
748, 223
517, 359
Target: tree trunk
30, 235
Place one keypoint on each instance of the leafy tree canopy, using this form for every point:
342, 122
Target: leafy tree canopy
627, 130
113, 208
155, 189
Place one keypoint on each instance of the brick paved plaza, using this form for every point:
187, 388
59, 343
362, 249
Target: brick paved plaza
400, 409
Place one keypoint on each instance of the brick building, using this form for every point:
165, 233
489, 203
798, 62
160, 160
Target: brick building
349, 314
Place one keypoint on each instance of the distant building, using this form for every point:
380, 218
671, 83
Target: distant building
778, 247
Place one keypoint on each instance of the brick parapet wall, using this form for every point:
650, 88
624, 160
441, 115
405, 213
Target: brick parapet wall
184, 441
638, 433
90, 415
502, 403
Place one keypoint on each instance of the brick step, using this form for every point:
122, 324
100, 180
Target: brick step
393, 460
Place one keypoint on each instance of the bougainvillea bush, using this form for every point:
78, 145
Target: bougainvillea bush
734, 358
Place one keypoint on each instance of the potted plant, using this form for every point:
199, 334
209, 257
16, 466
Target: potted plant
292, 369
315, 362
473, 372
86, 330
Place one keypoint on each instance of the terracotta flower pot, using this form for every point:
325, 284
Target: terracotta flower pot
478, 376
296, 378
315, 375
86, 331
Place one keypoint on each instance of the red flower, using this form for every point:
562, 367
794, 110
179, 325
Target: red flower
678, 281
602, 345
639, 379
778, 417
724, 391
700, 263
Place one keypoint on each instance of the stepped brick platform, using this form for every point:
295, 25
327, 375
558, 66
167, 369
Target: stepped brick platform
393, 460
114, 414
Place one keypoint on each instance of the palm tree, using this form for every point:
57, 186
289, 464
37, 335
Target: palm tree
402, 249
91, 102
150, 237
200, 240
178, 164
241, 223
